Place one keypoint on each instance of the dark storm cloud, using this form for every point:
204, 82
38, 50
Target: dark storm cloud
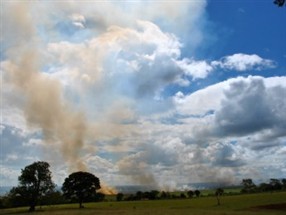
250, 107
227, 157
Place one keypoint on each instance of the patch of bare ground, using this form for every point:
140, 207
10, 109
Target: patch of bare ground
280, 207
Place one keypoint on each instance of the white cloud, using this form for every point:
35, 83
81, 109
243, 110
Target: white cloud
78, 20
138, 63
8, 175
244, 62
195, 69
11, 157
201, 101
33, 142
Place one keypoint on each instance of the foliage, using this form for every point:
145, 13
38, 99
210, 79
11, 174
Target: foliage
279, 3
150, 195
98, 197
139, 195
218, 193
53, 198
273, 185
81, 186
153, 194
165, 195
197, 193
190, 193
35, 181
248, 186
283, 181
119, 197
183, 196
264, 187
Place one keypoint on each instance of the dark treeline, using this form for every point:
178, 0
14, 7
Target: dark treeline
155, 195
12, 199
248, 186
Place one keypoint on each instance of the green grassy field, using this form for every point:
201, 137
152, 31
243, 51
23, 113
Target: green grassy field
251, 204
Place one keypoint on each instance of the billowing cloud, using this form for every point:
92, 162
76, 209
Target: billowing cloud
249, 106
195, 69
244, 62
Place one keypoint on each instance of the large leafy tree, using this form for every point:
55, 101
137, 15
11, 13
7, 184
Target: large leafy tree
248, 186
34, 182
80, 186
190, 194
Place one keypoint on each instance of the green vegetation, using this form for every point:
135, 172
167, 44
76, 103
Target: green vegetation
80, 186
36, 190
238, 204
35, 181
279, 3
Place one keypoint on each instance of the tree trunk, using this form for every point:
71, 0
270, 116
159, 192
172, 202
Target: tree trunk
32, 207
33, 204
218, 200
80, 204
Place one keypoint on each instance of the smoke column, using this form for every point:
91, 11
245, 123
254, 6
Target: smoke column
44, 105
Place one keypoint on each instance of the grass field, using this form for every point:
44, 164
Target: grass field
252, 204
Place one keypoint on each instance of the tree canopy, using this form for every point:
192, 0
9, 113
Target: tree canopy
35, 181
248, 186
279, 3
80, 186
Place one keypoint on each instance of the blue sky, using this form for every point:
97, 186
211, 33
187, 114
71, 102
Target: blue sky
188, 90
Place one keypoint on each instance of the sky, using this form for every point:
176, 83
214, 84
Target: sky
152, 93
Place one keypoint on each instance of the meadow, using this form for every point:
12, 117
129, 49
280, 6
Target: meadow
252, 204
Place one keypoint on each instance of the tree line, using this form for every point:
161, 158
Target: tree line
156, 195
248, 186
37, 188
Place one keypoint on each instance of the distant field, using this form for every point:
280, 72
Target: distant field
252, 204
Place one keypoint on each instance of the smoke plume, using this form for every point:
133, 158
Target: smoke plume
113, 77
44, 104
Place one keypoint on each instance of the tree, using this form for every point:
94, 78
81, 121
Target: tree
248, 186
197, 193
275, 184
190, 194
139, 195
34, 182
218, 194
99, 197
279, 3
119, 197
165, 195
80, 186
264, 187
153, 194
283, 181
183, 196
